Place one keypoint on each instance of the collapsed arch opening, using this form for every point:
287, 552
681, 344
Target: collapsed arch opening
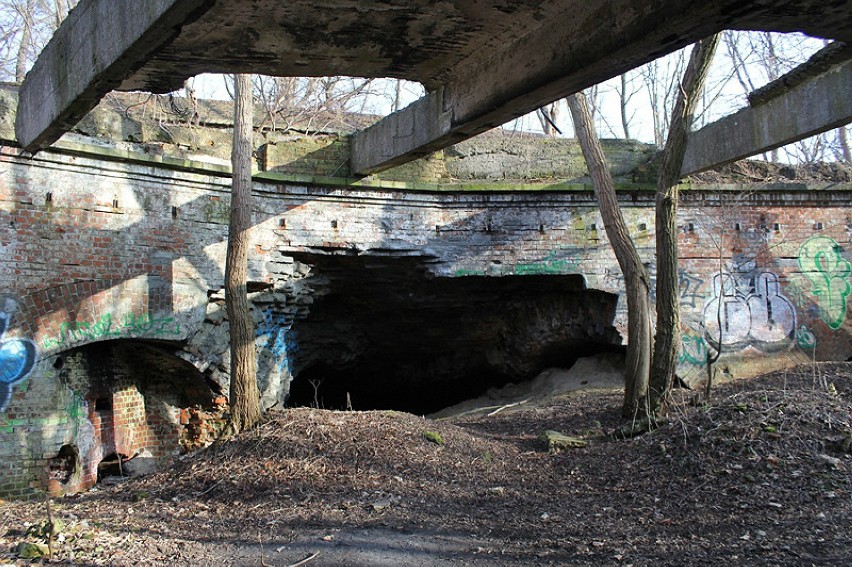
384, 334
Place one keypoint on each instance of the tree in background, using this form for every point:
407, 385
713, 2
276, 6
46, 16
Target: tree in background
25, 28
667, 338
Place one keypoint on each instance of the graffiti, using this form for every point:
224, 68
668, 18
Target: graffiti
805, 338
217, 211
281, 339
693, 350
75, 411
689, 286
17, 356
828, 272
550, 265
749, 309
145, 324
461, 272
105, 328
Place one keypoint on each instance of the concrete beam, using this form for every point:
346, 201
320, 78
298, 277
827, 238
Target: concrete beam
100, 44
483, 62
816, 105
595, 42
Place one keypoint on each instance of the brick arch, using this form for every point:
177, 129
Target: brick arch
81, 313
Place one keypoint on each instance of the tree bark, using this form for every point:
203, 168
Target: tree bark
843, 137
28, 16
636, 278
245, 397
667, 340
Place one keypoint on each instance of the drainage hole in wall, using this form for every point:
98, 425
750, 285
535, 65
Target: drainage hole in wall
112, 466
65, 465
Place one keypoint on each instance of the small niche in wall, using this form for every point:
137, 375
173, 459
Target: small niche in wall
103, 404
63, 469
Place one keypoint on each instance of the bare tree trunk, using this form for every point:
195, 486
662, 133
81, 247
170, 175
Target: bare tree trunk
28, 15
245, 397
843, 137
60, 12
667, 339
623, 99
635, 275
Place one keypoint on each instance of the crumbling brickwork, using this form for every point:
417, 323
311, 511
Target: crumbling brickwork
101, 251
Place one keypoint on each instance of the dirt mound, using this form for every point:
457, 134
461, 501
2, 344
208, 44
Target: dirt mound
761, 474
333, 456
599, 371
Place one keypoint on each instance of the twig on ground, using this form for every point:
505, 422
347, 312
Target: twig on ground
507, 406
305, 560
215, 484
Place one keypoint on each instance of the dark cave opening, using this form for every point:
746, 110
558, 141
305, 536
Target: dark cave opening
387, 335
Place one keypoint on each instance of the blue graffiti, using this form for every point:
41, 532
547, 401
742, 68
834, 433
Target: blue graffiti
17, 356
281, 338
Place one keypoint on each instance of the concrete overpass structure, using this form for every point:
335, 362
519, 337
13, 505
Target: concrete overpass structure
483, 63
113, 329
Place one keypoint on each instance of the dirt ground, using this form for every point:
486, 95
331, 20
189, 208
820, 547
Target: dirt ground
760, 475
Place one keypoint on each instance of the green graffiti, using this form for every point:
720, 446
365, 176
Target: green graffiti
106, 327
71, 333
805, 338
821, 262
461, 272
550, 265
796, 291
145, 324
74, 410
693, 350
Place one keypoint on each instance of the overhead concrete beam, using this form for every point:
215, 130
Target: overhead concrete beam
484, 62
96, 48
594, 42
814, 106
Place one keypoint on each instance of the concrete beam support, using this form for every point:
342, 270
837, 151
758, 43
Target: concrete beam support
595, 41
816, 105
100, 44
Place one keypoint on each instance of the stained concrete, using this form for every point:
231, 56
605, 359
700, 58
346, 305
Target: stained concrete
816, 105
483, 63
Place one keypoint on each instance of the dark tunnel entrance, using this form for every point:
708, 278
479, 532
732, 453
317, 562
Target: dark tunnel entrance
386, 335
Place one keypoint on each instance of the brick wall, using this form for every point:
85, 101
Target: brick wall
97, 250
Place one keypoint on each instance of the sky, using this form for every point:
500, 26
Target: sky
725, 92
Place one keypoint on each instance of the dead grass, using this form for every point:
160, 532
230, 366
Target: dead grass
760, 475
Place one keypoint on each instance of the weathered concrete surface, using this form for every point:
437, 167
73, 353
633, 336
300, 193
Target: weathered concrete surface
591, 43
98, 44
816, 105
174, 131
483, 63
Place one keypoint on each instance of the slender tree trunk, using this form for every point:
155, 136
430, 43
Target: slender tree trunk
245, 397
28, 16
635, 275
667, 340
623, 100
843, 137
